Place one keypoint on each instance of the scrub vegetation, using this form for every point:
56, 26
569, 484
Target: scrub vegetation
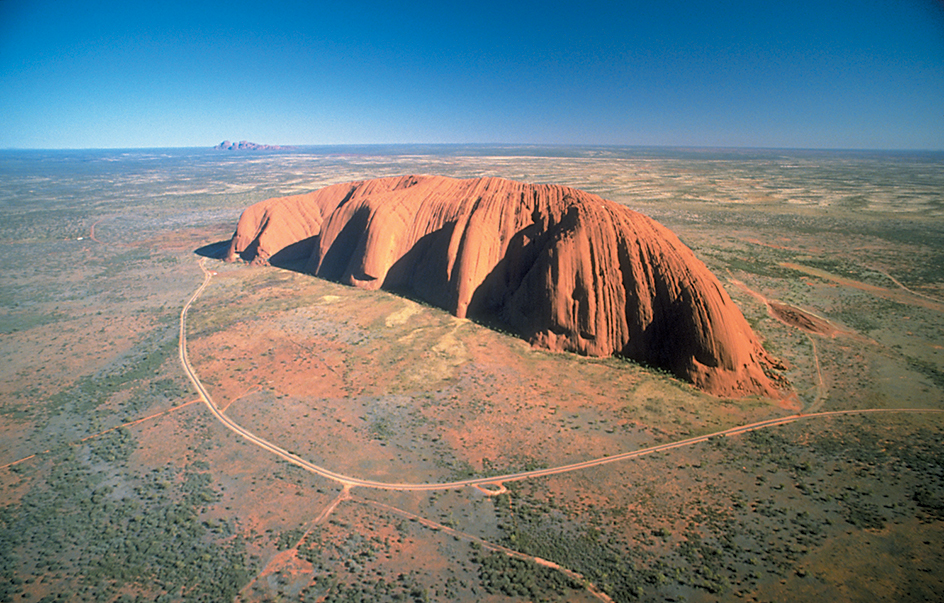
119, 485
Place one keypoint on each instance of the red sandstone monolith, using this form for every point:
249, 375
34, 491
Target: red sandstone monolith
565, 269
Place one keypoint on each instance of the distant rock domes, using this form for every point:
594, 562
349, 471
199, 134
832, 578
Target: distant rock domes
565, 269
245, 145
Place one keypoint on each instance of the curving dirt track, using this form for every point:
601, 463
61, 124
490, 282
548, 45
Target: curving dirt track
903, 296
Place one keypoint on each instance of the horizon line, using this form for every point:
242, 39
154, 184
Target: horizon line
690, 147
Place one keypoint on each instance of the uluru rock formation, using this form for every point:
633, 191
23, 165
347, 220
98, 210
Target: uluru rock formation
565, 269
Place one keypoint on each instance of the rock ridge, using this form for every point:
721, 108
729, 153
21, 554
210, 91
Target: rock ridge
565, 269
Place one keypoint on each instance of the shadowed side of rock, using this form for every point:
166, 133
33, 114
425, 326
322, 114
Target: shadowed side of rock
567, 270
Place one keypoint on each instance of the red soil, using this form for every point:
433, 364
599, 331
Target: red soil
801, 320
567, 270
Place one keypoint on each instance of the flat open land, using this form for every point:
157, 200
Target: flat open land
118, 483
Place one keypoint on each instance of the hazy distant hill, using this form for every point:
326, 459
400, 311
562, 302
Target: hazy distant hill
245, 145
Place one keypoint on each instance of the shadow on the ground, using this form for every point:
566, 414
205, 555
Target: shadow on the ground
287, 261
216, 250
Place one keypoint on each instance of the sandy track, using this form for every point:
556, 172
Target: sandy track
92, 231
902, 296
101, 433
911, 291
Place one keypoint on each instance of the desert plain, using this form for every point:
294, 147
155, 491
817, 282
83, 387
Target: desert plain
119, 484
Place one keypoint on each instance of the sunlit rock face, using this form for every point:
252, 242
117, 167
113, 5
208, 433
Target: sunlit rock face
565, 269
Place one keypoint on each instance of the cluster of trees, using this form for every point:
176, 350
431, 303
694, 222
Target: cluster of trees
83, 402
329, 589
534, 529
93, 531
514, 577
115, 445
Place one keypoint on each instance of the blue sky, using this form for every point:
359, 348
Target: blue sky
825, 74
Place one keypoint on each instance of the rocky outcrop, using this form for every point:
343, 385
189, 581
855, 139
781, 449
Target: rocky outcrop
245, 145
565, 269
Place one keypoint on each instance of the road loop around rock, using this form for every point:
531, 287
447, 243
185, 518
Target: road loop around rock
482, 484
